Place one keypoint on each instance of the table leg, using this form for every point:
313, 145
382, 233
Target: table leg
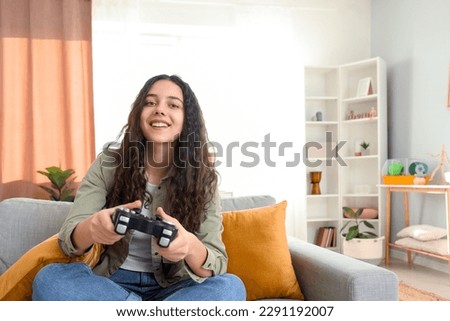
447, 203
406, 218
388, 226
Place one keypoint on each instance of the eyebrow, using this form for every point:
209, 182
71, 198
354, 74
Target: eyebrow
172, 97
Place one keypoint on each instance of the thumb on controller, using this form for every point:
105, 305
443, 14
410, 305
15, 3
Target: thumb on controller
132, 205
166, 217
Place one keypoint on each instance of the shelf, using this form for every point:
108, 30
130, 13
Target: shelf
361, 195
321, 98
322, 195
357, 158
362, 99
412, 249
359, 121
366, 219
320, 123
322, 219
330, 92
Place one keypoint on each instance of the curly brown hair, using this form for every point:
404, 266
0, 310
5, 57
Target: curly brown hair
192, 182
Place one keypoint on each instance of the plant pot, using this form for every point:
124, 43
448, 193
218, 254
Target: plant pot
365, 152
369, 250
419, 180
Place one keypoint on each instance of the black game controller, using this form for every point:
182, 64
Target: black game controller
125, 219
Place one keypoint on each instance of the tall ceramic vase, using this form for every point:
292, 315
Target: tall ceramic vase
315, 181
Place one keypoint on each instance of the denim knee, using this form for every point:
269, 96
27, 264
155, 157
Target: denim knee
237, 291
43, 282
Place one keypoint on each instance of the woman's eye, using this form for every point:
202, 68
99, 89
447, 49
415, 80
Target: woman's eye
150, 103
173, 106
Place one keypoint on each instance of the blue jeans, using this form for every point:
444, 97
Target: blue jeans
77, 282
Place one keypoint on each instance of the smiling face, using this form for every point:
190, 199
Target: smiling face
163, 114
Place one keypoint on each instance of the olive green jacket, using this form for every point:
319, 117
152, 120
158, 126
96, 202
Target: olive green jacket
91, 197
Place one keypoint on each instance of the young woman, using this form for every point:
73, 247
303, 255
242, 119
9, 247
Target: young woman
161, 168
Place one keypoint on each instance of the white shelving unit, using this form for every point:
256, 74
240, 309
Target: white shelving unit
347, 180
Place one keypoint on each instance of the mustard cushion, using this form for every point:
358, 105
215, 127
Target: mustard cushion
16, 282
258, 252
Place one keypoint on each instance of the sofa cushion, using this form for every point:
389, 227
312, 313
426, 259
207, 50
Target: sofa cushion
16, 282
25, 223
257, 247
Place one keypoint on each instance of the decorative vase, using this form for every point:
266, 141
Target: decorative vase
315, 181
319, 116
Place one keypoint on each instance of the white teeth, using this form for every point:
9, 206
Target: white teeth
159, 124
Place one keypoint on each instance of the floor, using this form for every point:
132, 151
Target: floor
421, 277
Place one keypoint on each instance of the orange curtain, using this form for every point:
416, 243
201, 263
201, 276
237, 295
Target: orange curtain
46, 100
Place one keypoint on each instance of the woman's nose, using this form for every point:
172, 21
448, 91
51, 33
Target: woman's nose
159, 110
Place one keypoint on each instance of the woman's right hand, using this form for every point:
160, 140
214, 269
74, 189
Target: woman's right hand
98, 228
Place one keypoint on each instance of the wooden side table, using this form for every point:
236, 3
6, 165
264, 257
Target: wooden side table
405, 189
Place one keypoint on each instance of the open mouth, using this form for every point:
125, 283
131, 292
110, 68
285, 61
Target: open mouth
159, 124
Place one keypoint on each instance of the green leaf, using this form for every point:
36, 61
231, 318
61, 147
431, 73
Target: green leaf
370, 234
352, 233
368, 224
53, 194
359, 212
349, 211
67, 173
43, 173
60, 181
67, 196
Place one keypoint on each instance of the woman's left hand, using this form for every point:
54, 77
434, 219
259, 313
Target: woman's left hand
186, 246
180, 247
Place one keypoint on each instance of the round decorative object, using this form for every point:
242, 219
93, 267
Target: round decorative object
418, 168
367, 213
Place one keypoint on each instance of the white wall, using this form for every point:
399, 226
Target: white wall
413, 38
244, 60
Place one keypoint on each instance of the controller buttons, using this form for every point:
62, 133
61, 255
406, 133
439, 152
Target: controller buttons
124, 219
121, 228
164, 242
122, 225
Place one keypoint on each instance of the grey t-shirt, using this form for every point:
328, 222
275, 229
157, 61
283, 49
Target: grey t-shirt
140, 254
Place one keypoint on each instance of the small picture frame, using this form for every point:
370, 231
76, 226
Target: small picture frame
364, 87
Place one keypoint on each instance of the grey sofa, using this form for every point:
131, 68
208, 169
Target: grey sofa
322, 274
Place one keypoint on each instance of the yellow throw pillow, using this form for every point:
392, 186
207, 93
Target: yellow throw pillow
258, 252
16, 282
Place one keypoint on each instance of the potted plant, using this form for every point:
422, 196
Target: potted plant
60, 183
359, 243
365, 148
419, 170
398, 172
361, 147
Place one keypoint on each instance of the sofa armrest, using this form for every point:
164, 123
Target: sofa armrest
25, 223
325, 275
